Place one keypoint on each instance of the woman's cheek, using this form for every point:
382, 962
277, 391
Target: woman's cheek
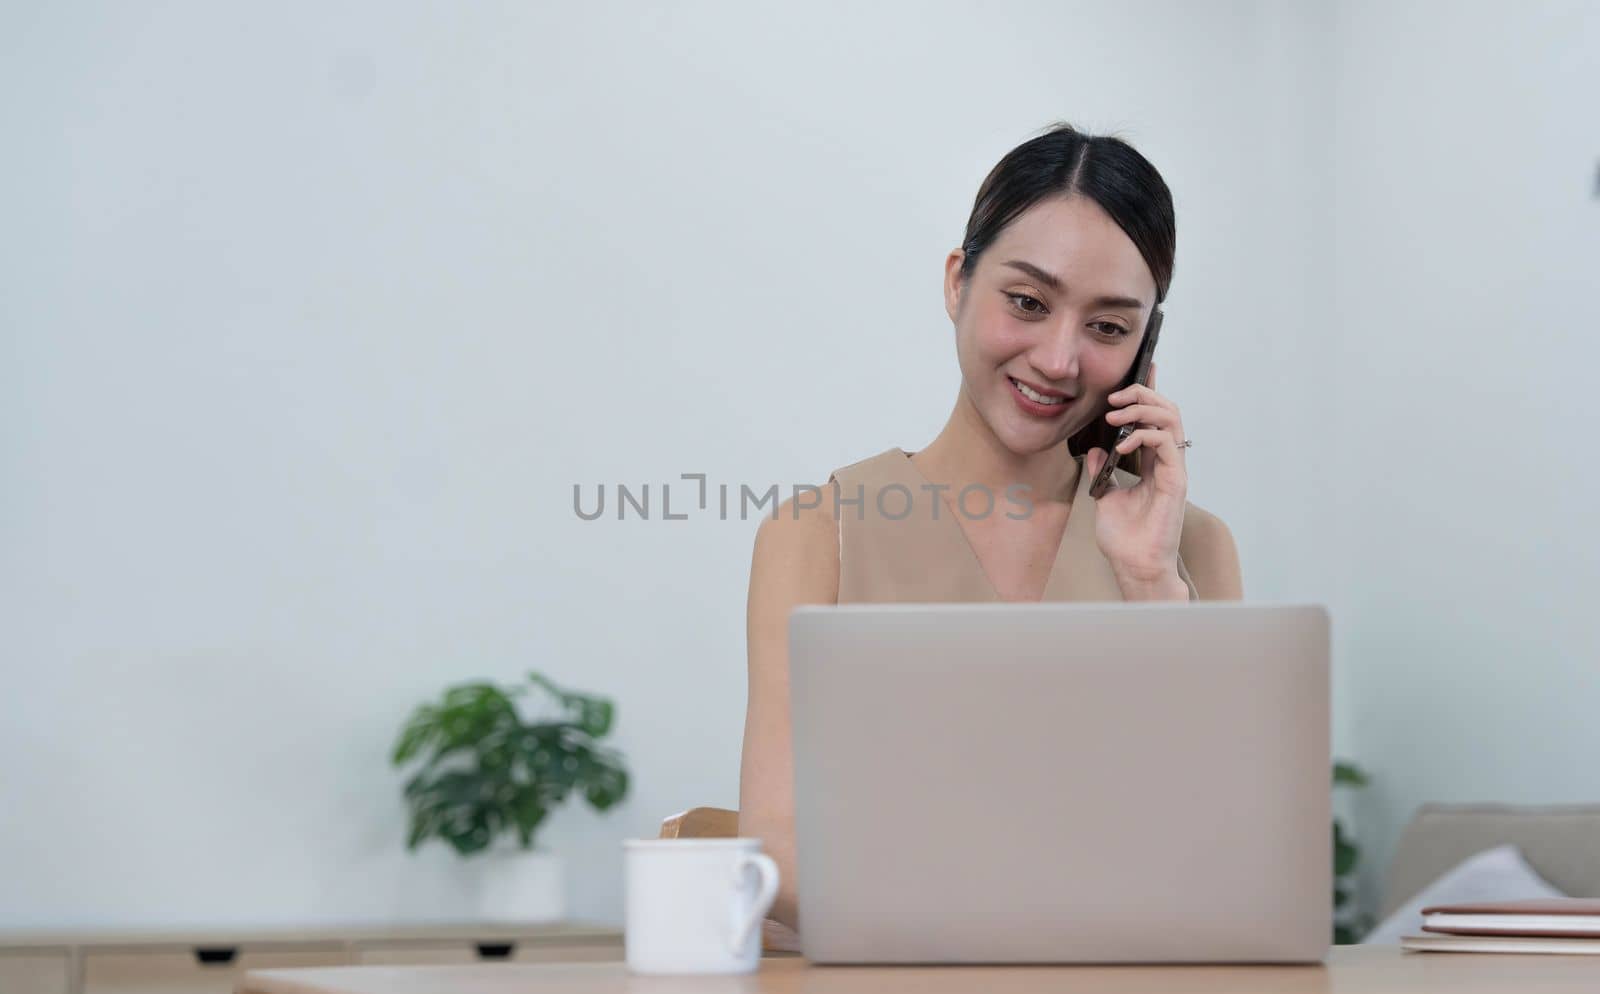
1102, 373
1003, 341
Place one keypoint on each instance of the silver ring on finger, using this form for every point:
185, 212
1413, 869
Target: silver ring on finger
1186, 443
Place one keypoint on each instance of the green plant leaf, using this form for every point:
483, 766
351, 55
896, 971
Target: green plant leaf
469, 835
592, 714
1345, 851
473, 716
421, 828
540, 680
497, 750
472, 710
606, 785
486, 771
566, 700
1346, 774
417, 784
1345, 856
596, 717
529, 811
415, 735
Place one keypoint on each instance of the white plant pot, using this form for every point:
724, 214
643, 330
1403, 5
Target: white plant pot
518, 886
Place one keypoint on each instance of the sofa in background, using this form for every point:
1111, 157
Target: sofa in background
1560, 842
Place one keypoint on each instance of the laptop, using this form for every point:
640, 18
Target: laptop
1062, 783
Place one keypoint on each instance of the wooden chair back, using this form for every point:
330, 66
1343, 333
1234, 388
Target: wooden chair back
720, 823
701, 823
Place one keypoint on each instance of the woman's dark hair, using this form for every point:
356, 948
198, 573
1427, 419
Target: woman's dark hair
1064, 161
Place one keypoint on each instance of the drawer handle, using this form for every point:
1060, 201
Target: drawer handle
216, 955
496, 950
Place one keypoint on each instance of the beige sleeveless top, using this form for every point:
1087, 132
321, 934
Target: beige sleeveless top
903, 543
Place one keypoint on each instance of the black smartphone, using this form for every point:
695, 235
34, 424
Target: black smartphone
1140, 374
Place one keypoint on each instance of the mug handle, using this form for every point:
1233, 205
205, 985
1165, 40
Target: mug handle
768, 893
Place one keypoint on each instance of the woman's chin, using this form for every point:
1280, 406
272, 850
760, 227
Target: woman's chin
1030, 437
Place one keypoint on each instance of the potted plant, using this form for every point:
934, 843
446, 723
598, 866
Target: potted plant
1349, 924
485, 777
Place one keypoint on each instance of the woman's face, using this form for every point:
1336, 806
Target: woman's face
1057, 305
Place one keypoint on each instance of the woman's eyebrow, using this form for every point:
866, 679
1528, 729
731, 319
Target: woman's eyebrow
1055, 283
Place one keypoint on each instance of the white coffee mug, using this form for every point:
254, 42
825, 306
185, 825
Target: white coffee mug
696, 905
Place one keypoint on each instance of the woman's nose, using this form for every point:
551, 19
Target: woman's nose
1057, 356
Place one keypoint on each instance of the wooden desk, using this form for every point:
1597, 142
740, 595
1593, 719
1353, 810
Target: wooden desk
1349, 970
214, 961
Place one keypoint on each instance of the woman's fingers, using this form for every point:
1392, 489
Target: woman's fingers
1160, 417
1165, 446
1093, 460
1157, 423
1138, 394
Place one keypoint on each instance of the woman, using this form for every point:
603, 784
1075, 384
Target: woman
1068, 251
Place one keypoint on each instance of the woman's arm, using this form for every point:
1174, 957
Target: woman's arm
796, 561
1210, 556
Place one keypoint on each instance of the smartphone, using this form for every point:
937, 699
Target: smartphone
1140, 374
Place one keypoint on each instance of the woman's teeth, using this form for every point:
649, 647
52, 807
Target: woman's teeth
1035, 396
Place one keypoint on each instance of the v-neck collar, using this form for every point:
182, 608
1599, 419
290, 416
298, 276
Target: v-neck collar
1079, 571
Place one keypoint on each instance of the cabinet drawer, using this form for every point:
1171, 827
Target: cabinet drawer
194, 972
587, 952
501, 951
417, 954
34, 973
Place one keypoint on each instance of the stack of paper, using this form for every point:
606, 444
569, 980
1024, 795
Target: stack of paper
1565, 925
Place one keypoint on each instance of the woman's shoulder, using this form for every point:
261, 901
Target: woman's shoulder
805, 528
887, 464
797, 546
1209, 553
1201, 524
808, 521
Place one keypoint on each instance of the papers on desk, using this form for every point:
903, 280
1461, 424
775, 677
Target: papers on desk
1568, 926
1570, 916
1498, 944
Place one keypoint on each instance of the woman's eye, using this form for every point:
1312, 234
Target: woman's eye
1038, 308
1111, 328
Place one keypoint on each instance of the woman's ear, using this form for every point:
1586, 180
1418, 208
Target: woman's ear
952, 282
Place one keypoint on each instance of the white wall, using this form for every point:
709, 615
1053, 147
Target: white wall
1467, 240
318, 315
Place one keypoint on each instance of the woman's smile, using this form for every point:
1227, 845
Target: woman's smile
1036, 401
